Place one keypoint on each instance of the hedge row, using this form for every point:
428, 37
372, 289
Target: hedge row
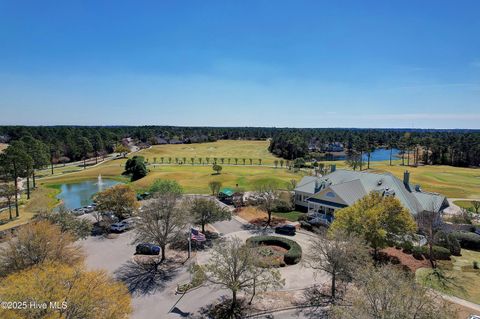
467, 240
439, 253
294, 253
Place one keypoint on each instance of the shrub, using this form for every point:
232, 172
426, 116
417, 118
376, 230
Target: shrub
439, 253
294, 253
407, 247
417, 253
306, 225
475, 265
448, 241
467, 240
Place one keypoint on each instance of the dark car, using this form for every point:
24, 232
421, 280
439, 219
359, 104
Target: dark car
147, 249
286, 230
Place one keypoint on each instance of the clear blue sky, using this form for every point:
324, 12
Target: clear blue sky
241, 63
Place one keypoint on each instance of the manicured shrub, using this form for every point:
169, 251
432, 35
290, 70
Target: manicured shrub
417, 253
407, 247
294, 253
467, 240
439, 253
448, 241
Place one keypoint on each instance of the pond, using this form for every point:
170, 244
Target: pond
76, 195
380, 154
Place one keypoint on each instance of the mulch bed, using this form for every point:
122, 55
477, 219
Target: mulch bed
406, 260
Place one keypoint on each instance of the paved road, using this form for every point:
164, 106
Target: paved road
227, 227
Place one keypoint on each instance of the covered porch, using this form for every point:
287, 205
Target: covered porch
322, 209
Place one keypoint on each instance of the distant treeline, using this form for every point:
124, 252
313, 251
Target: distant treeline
450, 147
447, 147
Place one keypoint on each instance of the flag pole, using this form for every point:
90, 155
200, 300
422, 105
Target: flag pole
189, 242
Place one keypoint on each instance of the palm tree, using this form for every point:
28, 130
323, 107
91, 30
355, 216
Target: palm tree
192, 160
243, 161
259, 161
236, 161
251, 161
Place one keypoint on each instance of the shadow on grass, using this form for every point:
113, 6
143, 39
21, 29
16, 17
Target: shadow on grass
146, 278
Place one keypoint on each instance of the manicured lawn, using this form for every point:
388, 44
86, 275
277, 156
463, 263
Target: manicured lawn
466, 280
291, 216
220, 149
41, 199
464, 204
195, 179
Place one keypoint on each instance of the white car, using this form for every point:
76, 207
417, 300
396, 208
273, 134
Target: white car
124, 225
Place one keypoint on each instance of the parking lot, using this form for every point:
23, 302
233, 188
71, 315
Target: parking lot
112, 254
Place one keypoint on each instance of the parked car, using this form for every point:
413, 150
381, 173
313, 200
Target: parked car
122, 226
147, 249
286, 230
118, 227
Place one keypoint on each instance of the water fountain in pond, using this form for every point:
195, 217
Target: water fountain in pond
100, 182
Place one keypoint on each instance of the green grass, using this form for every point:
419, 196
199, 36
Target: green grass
220, 149
465, 280
291, 216
42, 198
464, 204
195, 179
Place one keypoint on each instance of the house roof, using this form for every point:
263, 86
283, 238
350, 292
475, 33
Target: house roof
307, 184
346, 187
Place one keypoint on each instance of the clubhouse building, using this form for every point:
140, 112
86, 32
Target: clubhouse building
341, 188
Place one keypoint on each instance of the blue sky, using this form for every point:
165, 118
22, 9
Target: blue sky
241, 63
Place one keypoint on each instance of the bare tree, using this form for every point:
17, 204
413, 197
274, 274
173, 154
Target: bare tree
337, 254
162, 221
268, 194
215, 187
389, 293
428, 222
205, 211
233, 266
8, 192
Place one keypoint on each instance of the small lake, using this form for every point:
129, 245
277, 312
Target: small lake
380, 154
76, 195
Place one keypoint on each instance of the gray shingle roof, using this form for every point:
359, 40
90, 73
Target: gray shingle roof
307, 184
350, 186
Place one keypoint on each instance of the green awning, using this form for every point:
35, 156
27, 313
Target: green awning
227, 191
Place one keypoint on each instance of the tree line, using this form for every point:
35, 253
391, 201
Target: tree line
430, 147
445, 147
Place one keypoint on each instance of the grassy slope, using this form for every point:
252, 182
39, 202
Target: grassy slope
466, 281
42, 198
223, 148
